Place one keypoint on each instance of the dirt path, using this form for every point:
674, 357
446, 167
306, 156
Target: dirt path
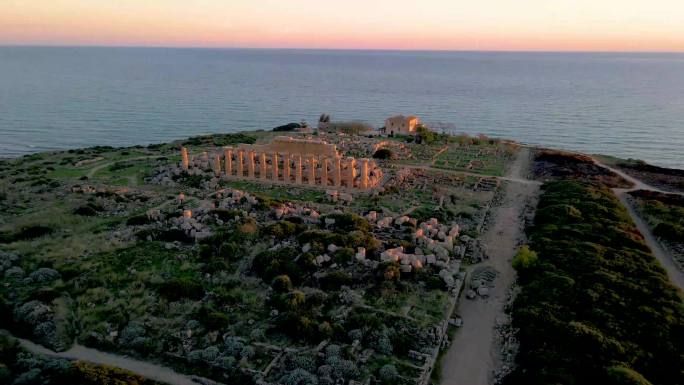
473, 355
665, 258
145, 369
97, 168
438, 153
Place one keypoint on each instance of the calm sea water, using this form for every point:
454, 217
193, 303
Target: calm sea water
629, 105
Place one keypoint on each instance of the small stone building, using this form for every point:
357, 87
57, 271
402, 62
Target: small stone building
400, 124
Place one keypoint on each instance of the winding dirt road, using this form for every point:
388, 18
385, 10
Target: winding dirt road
145, 369
666, 260
473, 355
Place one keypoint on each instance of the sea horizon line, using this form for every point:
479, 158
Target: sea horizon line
319, 49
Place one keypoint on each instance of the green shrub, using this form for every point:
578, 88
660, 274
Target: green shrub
272, 263
282, 229
343, 255
334, 280
220, 140
281, 284
137, 220
225, 214
347, 222
179, 288
669, 231
524, 258
425, 136
620, 375
288, 127
292, 301
216, 321
26, 233
230, 250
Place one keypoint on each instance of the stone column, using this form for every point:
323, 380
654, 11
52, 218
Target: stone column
184, 156
274, 160
286, 167
250, 164
312, 170
298, 169
364, 174
351, 172
229, 161
262, 165
217, 164
337, 172
324, 171
241, 164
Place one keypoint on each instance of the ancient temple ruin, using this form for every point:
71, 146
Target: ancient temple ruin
289, 160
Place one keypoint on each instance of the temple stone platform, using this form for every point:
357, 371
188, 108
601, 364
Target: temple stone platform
305, 162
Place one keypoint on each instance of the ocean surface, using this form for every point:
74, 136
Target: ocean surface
623, 104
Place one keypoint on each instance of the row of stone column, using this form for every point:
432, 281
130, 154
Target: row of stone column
243, 163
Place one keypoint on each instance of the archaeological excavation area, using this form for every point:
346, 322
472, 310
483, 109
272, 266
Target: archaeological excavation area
251, 257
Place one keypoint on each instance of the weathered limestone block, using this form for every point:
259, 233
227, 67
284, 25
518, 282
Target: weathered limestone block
346, 198
455, 231
401, 220
384, 222
333, 195
441, 252
360, 254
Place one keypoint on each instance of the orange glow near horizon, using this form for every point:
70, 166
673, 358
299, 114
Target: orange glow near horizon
552, 25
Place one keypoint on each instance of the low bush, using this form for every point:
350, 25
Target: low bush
179, 288
138, 220
220, 140
25, 233
334, 280
288, 127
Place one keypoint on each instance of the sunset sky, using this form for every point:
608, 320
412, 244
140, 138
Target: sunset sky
559, 25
